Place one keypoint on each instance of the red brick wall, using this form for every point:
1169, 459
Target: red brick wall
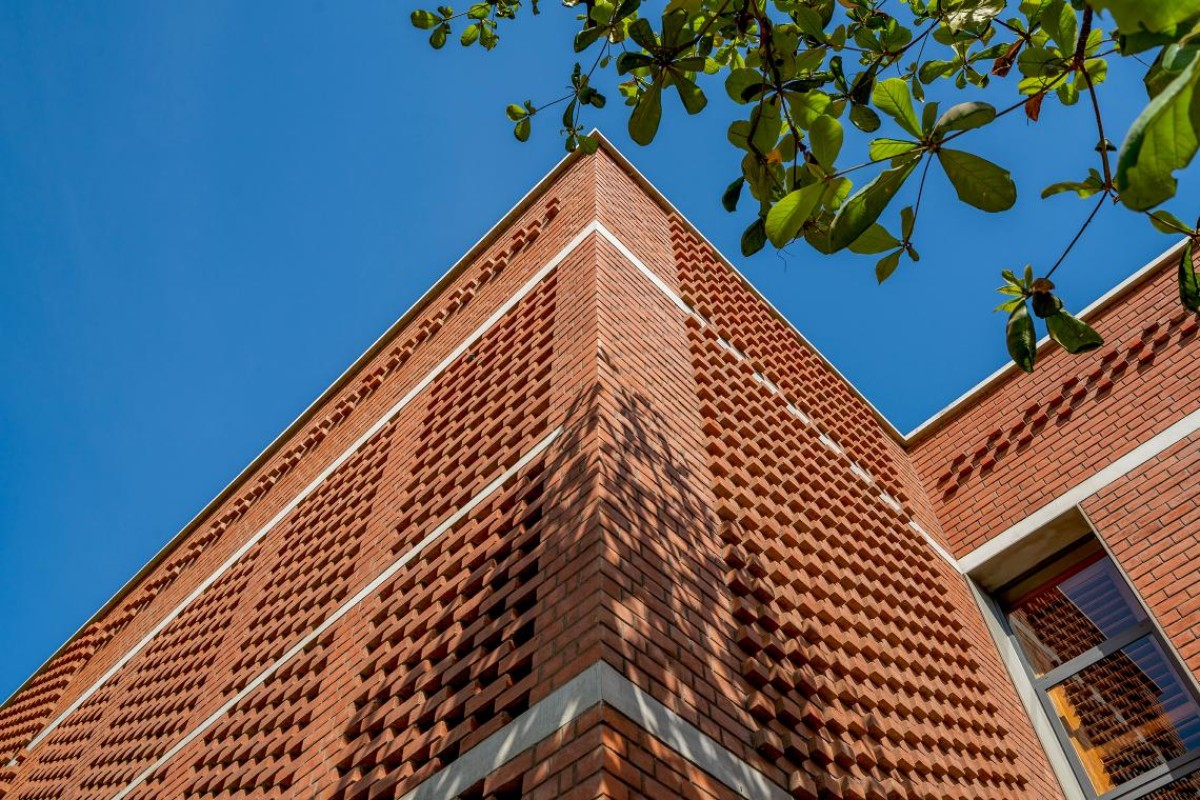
1030, 438
1151, 520
441, 449
866, 665
685, 528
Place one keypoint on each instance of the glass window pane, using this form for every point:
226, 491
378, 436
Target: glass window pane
1065, 619
1127, 713
1183, 789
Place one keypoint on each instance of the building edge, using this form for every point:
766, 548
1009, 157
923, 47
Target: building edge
932, 424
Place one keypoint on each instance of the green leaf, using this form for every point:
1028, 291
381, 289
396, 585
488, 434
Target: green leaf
470, 35
875, 239
731, 195
908, 219
690, 94
437, 39
1161, 140
826, 139
807, 106
479, 11
1020, 337
836, 192
1168, 223
887, 265
892, 97
641, 32
743, 85
767, 128
754, 237
587, 37
1154, 16
516, 112
964, 117
929, 115
1084, 189
977, 181
627, 62
809, 22
1189, 284
864, 118
425, 19
786, 217
1062, 25
932, 70
589, 144
863, 208
1046, 304
974, 12
643, 122
488, 38
522, 129
673, 22
881, 149
1068, 93
1075, 335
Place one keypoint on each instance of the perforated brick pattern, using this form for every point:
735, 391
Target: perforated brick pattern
1030, 438
719, 517
22, 719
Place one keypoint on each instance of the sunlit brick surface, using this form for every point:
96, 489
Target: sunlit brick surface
697, 500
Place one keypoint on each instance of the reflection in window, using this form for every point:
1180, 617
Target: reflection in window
1183, 789
1122, 706
1126, 714
1062, 620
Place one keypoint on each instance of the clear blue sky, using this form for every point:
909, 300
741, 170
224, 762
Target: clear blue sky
210, 208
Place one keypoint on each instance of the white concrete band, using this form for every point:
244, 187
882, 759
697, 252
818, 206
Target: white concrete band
366, 591
258, 535
599, 683
823, 437
1124, 465
1094, 307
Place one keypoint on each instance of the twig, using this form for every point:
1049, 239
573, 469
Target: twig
1086, 222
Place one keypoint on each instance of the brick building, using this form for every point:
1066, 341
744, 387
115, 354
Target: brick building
592, 520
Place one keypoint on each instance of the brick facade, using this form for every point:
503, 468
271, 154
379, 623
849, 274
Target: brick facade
592, 520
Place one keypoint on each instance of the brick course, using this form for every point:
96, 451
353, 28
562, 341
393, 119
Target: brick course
721, 518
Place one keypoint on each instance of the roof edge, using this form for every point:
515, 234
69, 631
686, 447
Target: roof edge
992, 381
662, 200
485, 241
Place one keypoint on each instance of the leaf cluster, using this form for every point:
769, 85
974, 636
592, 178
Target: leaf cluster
804, 71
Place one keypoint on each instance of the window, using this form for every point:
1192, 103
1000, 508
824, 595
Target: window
1121, 707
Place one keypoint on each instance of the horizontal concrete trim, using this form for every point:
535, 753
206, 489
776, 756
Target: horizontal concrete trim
1104, 301
1124, 465
258, 535
599, 683
555, 711
485, 241
373, 586
641, 267
667, 205
824, 438
685, 738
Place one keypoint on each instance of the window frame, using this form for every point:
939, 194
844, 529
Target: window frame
1149, 781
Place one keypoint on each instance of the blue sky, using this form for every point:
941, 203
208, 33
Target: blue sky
210, 208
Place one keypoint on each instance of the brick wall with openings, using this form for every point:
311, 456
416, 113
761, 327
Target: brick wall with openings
456, 435
867, 670
717, 515
1029, 438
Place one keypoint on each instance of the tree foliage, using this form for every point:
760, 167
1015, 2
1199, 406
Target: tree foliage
805, 69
